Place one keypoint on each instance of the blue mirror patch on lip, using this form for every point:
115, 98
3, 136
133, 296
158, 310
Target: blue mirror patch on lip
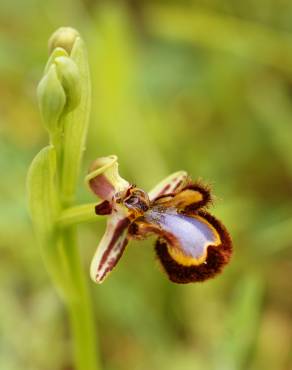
193, 233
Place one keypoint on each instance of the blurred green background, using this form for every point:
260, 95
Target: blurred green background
203, 86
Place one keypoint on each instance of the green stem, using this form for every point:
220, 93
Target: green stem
80, 307
77, 297
78, 214
68, 139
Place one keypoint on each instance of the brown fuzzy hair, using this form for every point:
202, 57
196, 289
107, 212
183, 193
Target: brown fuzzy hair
203, 189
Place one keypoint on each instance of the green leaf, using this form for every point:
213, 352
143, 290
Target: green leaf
44, 210
42, 192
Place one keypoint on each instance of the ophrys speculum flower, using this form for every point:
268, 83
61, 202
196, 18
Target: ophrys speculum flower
192, 244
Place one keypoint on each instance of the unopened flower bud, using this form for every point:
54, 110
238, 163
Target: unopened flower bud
69, 77
64, 38
51, 98
58, 52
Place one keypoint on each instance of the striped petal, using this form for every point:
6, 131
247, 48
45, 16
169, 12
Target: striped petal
192, 197
110, 248
170, 184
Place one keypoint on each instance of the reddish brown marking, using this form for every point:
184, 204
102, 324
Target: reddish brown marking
178, 185
134, 229
164, 190
112, 263
101, 187
121, 226
217, 257
163, 196
129, 190
104, 208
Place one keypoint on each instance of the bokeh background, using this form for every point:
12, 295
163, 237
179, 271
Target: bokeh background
203, 86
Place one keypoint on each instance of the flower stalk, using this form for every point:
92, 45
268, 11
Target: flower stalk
64, 101
77, 214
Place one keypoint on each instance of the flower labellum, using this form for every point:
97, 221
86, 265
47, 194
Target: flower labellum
192, 244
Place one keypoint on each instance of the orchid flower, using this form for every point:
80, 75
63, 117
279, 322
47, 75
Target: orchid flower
192, 245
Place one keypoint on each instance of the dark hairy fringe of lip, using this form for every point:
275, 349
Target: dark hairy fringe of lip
203, 189
217, 257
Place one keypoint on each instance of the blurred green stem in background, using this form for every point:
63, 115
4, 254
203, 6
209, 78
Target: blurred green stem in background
64, 99
240, 324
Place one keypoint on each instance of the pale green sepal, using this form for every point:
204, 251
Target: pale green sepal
69, 76
51, 98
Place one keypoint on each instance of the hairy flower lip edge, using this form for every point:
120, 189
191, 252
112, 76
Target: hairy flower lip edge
218, 256
177, 247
